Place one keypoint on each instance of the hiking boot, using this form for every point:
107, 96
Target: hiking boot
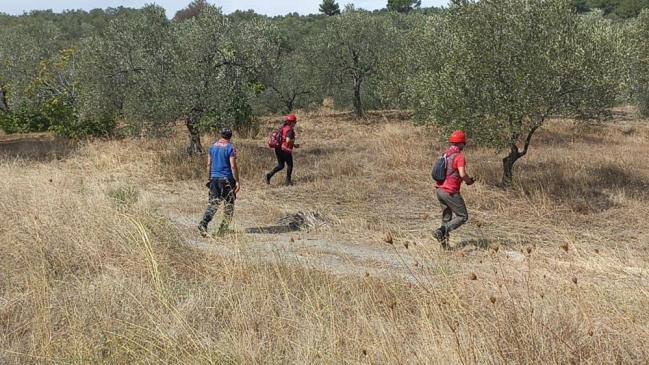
445, 241
202, 228
288, 183
268, 179
441, 235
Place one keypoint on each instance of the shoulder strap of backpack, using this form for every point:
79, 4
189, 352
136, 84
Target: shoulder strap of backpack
449, 164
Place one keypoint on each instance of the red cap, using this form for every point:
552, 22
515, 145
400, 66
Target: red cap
457, 137
291, 118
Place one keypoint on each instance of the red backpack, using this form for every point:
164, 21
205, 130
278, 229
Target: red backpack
276, 138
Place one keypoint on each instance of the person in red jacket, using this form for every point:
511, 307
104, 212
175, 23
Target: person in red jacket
284, 153
454, 212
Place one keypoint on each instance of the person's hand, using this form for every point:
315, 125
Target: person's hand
470, 181
237, 187
209, 182
297, 145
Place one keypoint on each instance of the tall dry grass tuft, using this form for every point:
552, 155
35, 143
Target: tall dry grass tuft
93, 270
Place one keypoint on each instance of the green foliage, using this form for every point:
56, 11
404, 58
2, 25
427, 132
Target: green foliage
78, 73
403, 6
612, 8
416, 46
329, 7
351, 51
217, 71
289, 81
637, 54
123, 196
126, 72
23, 120
510, 65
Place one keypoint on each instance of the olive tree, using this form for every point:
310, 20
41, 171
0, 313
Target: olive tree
36, 78
288, 79
217, 69
127, 72
638, 59
512, 64
18, 63
352, 49
418, 41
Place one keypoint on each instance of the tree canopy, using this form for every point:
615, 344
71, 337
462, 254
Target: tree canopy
329, 7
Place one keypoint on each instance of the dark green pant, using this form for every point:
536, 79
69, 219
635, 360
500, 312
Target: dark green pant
454, 213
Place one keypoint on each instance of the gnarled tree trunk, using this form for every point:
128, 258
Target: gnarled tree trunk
195, 147
358, 99
515, 154
508, 166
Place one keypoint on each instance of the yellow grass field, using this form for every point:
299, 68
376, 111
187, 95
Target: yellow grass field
101, 261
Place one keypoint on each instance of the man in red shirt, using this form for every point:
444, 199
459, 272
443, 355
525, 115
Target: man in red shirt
448, 192
284, 153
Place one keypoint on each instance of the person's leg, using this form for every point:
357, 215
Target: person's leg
289, 170
279, 167
441, 234
456, 203
228, 196
212, 206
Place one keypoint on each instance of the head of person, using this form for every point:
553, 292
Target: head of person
226, 133
290, 119
458, 138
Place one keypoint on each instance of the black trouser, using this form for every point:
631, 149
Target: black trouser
221, 190
283, 158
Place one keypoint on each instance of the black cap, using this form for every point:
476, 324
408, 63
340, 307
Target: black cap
226, 133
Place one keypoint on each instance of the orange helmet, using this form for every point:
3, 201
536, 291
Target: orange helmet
457, 137
291, 118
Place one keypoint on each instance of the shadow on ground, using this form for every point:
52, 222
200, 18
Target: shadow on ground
586, 192
481, 243
272, 229
37, 147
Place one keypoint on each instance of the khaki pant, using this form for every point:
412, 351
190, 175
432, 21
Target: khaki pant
454, 213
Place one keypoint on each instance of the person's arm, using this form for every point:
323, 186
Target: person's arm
290, 139
209, 166
465, 176
235, 173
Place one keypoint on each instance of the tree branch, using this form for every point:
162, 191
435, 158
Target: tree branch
528, 139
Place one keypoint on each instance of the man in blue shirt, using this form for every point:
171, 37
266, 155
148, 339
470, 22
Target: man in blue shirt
224, 181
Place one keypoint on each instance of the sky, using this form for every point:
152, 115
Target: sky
267, 7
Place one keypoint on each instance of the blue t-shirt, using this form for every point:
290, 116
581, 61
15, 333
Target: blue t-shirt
221, 152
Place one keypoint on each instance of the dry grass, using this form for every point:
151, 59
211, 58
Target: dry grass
93, 270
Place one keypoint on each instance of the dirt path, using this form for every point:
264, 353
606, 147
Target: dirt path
295, 235
309, 249
296, 239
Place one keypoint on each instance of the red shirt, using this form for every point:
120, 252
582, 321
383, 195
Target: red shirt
453, 180
288, 132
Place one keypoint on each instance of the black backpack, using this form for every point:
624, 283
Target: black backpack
440, 168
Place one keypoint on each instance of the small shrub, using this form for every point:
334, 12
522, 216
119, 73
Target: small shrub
124, 196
